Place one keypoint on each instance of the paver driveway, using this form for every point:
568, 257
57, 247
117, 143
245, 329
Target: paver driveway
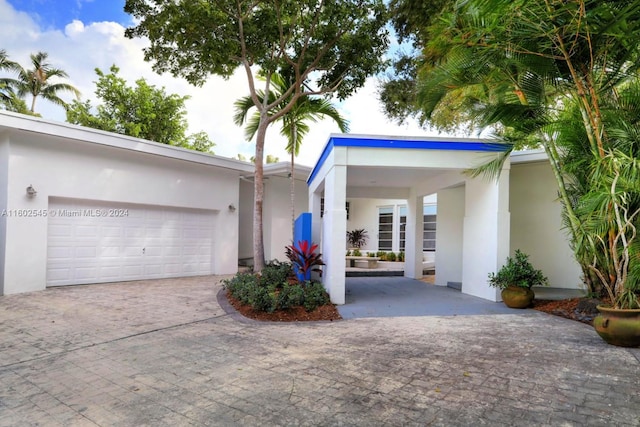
164, 353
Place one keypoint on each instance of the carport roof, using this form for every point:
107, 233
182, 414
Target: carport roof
410, 143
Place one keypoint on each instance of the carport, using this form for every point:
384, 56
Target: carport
363, 166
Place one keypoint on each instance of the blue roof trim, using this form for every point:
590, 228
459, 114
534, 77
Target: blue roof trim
443, 144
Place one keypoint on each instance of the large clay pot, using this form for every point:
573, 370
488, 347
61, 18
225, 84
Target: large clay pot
618, 327
517, 296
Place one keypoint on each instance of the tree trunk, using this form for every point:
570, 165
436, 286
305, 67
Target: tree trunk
258, 196
293, 183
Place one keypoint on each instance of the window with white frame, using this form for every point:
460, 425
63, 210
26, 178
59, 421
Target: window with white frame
385, 228
428, 227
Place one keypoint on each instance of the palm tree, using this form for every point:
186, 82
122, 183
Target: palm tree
295, 124
36, 81
7, 96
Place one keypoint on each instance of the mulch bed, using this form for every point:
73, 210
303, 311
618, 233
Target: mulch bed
327, 312
578, 309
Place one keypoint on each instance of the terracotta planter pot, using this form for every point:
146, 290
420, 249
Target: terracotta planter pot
517, 297
618, 327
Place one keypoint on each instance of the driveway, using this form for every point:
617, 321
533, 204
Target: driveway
165, 353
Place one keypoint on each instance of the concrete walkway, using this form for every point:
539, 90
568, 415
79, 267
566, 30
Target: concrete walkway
165, 353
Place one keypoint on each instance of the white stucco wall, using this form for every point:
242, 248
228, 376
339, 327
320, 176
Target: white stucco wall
449, 232
73, 168
277, 214
4, 179
245, 221
536, 225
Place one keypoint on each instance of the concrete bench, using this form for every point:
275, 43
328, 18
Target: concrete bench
372, 262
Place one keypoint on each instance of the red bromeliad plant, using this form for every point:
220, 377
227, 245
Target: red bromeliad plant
304, 259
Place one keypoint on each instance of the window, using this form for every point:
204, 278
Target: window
385, 229
428, 227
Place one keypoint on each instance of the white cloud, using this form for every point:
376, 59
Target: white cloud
80, 48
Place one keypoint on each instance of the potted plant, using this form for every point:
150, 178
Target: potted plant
357, 238
609, 215
515, 279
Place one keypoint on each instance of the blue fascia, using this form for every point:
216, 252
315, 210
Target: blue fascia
406, 144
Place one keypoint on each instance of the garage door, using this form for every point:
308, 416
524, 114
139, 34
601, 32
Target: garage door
97, 242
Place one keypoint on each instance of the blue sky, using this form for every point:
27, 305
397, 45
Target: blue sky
82, 35
58, 13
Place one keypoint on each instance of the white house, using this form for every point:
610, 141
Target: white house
80, 205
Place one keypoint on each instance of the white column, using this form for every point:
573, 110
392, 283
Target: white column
413, 237
486, 233
316, 217
334, 230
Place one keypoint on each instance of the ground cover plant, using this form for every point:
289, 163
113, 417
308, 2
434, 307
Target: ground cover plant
282, 291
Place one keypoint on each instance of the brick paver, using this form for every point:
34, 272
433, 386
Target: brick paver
164, 353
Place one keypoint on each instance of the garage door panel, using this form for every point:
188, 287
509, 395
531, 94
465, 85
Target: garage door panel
150, 242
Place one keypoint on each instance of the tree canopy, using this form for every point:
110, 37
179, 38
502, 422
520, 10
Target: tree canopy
328, 47
143, 111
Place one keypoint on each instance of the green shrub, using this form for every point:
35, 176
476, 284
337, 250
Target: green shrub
242, 286
275, 273
391, 256
382, 255
263, 298
371, 254
290, 296
356, 252
401, 256
248, 289
314, 296
348, 253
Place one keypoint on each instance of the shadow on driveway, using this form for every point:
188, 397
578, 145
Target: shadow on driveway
401, 296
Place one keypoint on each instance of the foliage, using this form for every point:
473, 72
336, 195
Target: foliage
263, 295
328, 47
9, 100
275, 273
314, 296
357, 238
391, 256
348, 253
38, 81
609, 220
357, 252
517, 271
304, 258
401, 256
562, 75
294, 124
371, 254
382, 255
143, 111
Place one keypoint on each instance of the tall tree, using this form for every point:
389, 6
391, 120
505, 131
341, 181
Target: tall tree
37, 81
328, 46
143, 111
294, 124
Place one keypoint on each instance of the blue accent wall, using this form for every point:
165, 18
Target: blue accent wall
301, 232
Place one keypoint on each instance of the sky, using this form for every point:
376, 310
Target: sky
82, 35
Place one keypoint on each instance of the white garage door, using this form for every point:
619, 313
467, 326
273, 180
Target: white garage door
97, 242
